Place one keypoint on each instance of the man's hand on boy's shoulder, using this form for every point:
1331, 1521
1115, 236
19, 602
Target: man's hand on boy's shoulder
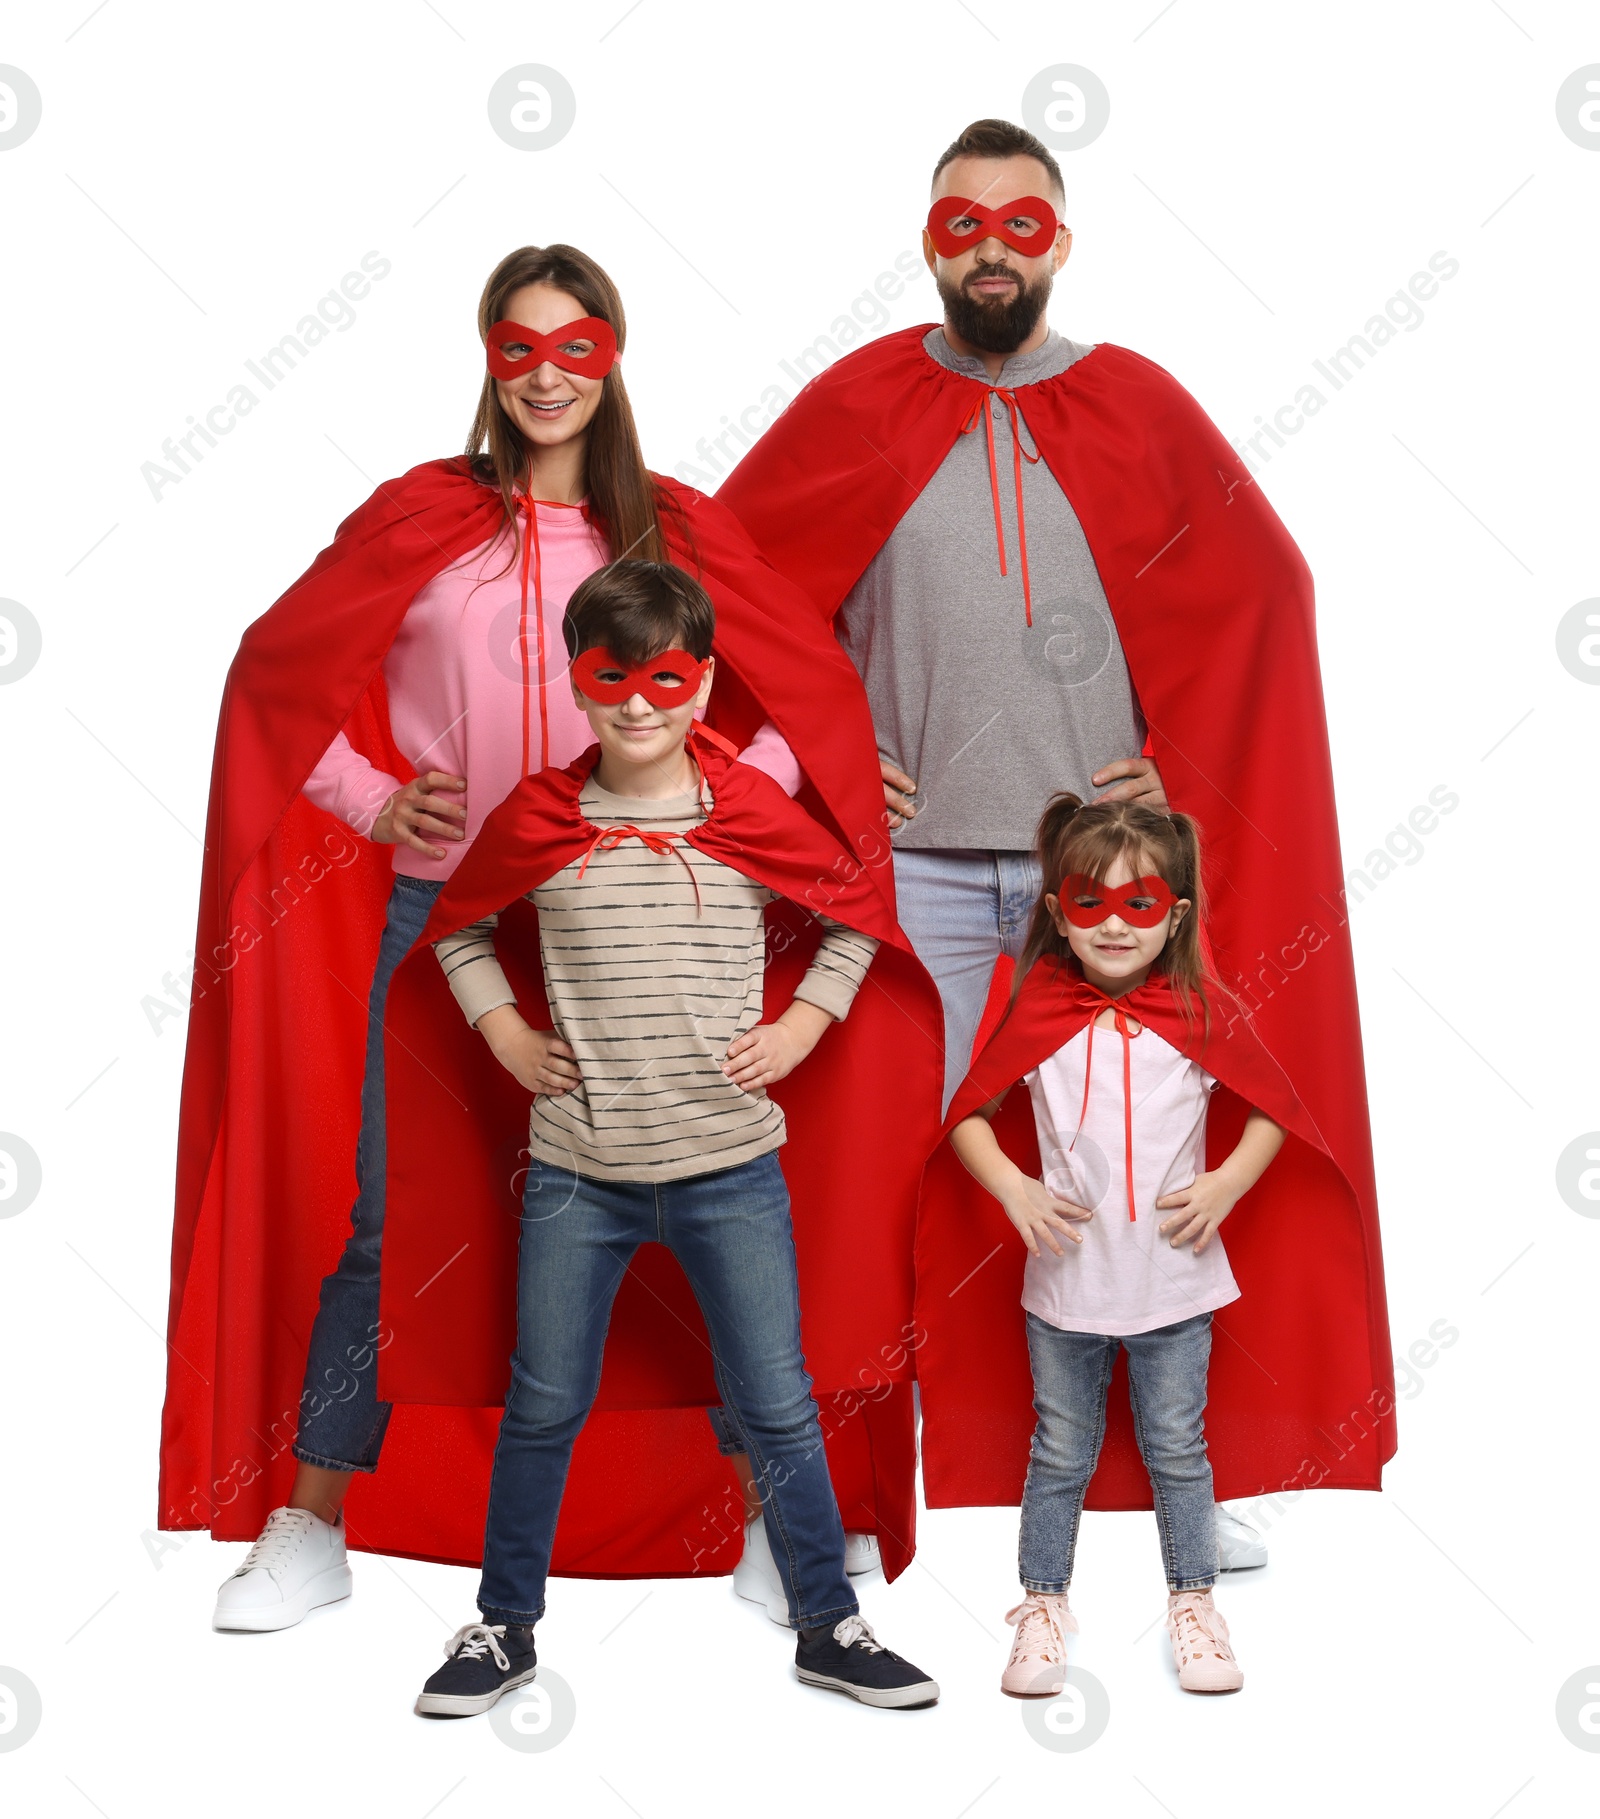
538, 1059
772, 1050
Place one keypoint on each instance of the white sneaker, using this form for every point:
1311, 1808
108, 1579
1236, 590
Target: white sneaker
296, 1563
757, 1579
860, 1553
1239, 1546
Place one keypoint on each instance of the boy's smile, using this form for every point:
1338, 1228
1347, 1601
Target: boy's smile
642, 745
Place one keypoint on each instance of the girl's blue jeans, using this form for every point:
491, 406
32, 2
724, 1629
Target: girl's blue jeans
1167, 1387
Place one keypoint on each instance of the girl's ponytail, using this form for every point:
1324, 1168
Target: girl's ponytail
1049, 844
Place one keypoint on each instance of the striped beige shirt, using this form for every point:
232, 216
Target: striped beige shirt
649, 988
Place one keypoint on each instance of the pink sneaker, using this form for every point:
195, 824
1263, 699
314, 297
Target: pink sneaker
1200, 1645
1038, 1665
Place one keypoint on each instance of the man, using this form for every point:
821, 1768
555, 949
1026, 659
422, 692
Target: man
973, 599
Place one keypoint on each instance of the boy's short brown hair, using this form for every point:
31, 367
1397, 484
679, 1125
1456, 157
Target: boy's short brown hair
636, 610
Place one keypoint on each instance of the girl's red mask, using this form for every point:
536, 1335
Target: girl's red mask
1086, 902
671, 679
593, 365
949, 242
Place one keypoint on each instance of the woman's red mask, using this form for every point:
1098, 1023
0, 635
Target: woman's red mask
956, 225
1086, 902
671, 679
552, 347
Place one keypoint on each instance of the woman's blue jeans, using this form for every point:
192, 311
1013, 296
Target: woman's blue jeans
342, 1422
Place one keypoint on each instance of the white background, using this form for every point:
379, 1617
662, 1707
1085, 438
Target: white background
1270, 176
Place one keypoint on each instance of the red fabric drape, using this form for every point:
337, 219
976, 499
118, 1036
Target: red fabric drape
1213, 605
291, 909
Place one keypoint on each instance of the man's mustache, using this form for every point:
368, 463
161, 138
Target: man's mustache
981, 272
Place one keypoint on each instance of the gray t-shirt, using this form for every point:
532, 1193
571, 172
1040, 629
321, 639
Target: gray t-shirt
991, 716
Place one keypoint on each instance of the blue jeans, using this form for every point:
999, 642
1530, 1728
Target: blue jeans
961, 910
342, 1422
1167, 1387
730, 1230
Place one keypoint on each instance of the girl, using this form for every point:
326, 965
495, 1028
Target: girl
1111, 1011
425, 643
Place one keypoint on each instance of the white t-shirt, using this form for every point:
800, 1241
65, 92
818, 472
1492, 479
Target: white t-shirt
1125, 1277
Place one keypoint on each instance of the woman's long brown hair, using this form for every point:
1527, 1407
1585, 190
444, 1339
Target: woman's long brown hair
1090, 838
625, 501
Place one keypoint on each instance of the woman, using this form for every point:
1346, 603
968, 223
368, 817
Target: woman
426, 640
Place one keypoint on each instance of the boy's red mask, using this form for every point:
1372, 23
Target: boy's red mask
607, 679
593, 365
949, 243
1141, 903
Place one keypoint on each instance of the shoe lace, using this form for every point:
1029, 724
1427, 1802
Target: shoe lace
1198, 1628
1043, 1625
285, 1529
475, 1640
856, 1629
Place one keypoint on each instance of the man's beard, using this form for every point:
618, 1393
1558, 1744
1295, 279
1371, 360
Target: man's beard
998, 326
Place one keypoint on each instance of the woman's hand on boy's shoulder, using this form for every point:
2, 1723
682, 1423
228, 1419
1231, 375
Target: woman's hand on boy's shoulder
1039, 1215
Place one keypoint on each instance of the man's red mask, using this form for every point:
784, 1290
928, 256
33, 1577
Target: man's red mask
956, 224
1086, 902
668, 680
593, 365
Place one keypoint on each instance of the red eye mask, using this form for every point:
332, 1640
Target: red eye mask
593, 365
607, 679
1141, 903
948, 241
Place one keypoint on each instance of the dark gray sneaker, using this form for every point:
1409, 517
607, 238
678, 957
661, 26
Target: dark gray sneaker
849, 1659
485, 1660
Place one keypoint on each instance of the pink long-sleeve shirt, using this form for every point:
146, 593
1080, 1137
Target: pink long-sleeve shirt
458, 697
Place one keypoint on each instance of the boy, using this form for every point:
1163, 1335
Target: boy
650, 865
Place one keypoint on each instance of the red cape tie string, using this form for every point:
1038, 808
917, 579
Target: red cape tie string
1019, 454
659, 844
1121, 1017
531, 554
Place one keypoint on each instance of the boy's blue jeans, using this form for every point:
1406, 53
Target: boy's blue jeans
730, 1230
1167, 1387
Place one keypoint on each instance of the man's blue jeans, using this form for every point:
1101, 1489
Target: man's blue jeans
1167, 1387
961, 910
342, 1422
730, 1230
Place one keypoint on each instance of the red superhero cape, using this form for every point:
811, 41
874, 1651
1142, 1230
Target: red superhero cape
1213, 605
291, 910
458, 1127
1277, 1416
